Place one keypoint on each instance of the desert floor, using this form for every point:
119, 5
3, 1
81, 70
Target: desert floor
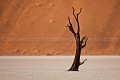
55, 68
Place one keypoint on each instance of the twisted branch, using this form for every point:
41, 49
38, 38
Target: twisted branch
86, 39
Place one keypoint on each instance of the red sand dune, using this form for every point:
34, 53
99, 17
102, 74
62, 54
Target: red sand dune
46, 20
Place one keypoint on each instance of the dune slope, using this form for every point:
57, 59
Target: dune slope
37, 27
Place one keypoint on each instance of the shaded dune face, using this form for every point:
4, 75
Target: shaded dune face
39, 27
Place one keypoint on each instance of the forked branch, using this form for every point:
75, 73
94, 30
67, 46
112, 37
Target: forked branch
77, 14
70, 26
76, 18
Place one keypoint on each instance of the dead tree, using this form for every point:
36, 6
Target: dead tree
80, 44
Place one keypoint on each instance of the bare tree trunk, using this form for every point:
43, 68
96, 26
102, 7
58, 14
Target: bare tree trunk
79, 43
